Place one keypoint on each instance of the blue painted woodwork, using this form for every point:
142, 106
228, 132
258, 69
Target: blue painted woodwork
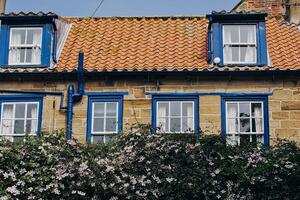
217, 20
263, 98
175, 97
104, 98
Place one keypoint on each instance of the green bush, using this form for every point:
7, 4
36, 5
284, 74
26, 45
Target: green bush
142, 166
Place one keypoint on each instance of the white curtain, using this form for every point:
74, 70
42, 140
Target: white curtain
7, 122
227, 51
162, 118
190, 120
15, 53
250, 51
258, 119
36, 51
33, 113
232, 126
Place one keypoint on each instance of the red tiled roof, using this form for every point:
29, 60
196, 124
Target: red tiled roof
162, 44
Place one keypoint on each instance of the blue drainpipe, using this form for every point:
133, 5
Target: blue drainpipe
75, 97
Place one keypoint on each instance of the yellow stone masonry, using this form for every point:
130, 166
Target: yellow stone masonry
284, 104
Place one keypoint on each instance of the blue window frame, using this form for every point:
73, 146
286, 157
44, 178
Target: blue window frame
241, 47
20, 115
104, 117
245, 119
45, 46
177, 113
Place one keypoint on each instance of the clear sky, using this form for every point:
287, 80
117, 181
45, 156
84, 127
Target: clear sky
121, 7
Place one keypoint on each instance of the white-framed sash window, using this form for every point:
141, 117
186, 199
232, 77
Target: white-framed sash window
18, 119
104, 121
175, 117
25, 46
244, 122
239, 44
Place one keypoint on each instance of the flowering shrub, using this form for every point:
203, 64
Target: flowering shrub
142, 166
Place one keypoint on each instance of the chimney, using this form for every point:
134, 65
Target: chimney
2, 6
292, 11
272, 7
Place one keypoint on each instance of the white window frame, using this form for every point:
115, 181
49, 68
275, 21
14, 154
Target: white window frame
14, 118
234, 134
24, 45
181, 116
93, 118
240, 44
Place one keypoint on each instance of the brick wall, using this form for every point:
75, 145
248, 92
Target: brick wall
284, 104
273, 7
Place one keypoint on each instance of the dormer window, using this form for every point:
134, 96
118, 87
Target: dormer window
30, 40
239, 44
25, 46
237, 39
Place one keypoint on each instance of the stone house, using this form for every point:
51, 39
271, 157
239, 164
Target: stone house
230, 73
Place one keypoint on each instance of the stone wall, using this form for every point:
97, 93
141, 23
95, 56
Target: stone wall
284, 104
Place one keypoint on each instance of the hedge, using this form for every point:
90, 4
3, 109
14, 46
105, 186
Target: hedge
143, 166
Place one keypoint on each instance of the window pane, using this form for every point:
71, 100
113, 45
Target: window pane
19, 127
34, 36
232, 110
103, 138
257, 125
31, 126
163, 109
20, 111
32, 111
18, 36
244, 125
21, 56
175, 125
231, 34
111, 125
28, 55
99, 109
7, 111
248, 34
175, 108
111, 109
231, 139
98, 125
163, 124
187, 109
231, 54
244, 110
187, 124
232, 125
256, 109
97, 139
248, 54
244, 139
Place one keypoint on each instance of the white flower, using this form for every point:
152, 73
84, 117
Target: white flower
56, 191
217, 171
13, 190
170, 179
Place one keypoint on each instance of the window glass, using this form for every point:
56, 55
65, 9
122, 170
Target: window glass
244, 122
175, 116
18, 119
104, 121
239, 44
25, 45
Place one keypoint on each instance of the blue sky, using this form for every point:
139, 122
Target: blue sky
121, 7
